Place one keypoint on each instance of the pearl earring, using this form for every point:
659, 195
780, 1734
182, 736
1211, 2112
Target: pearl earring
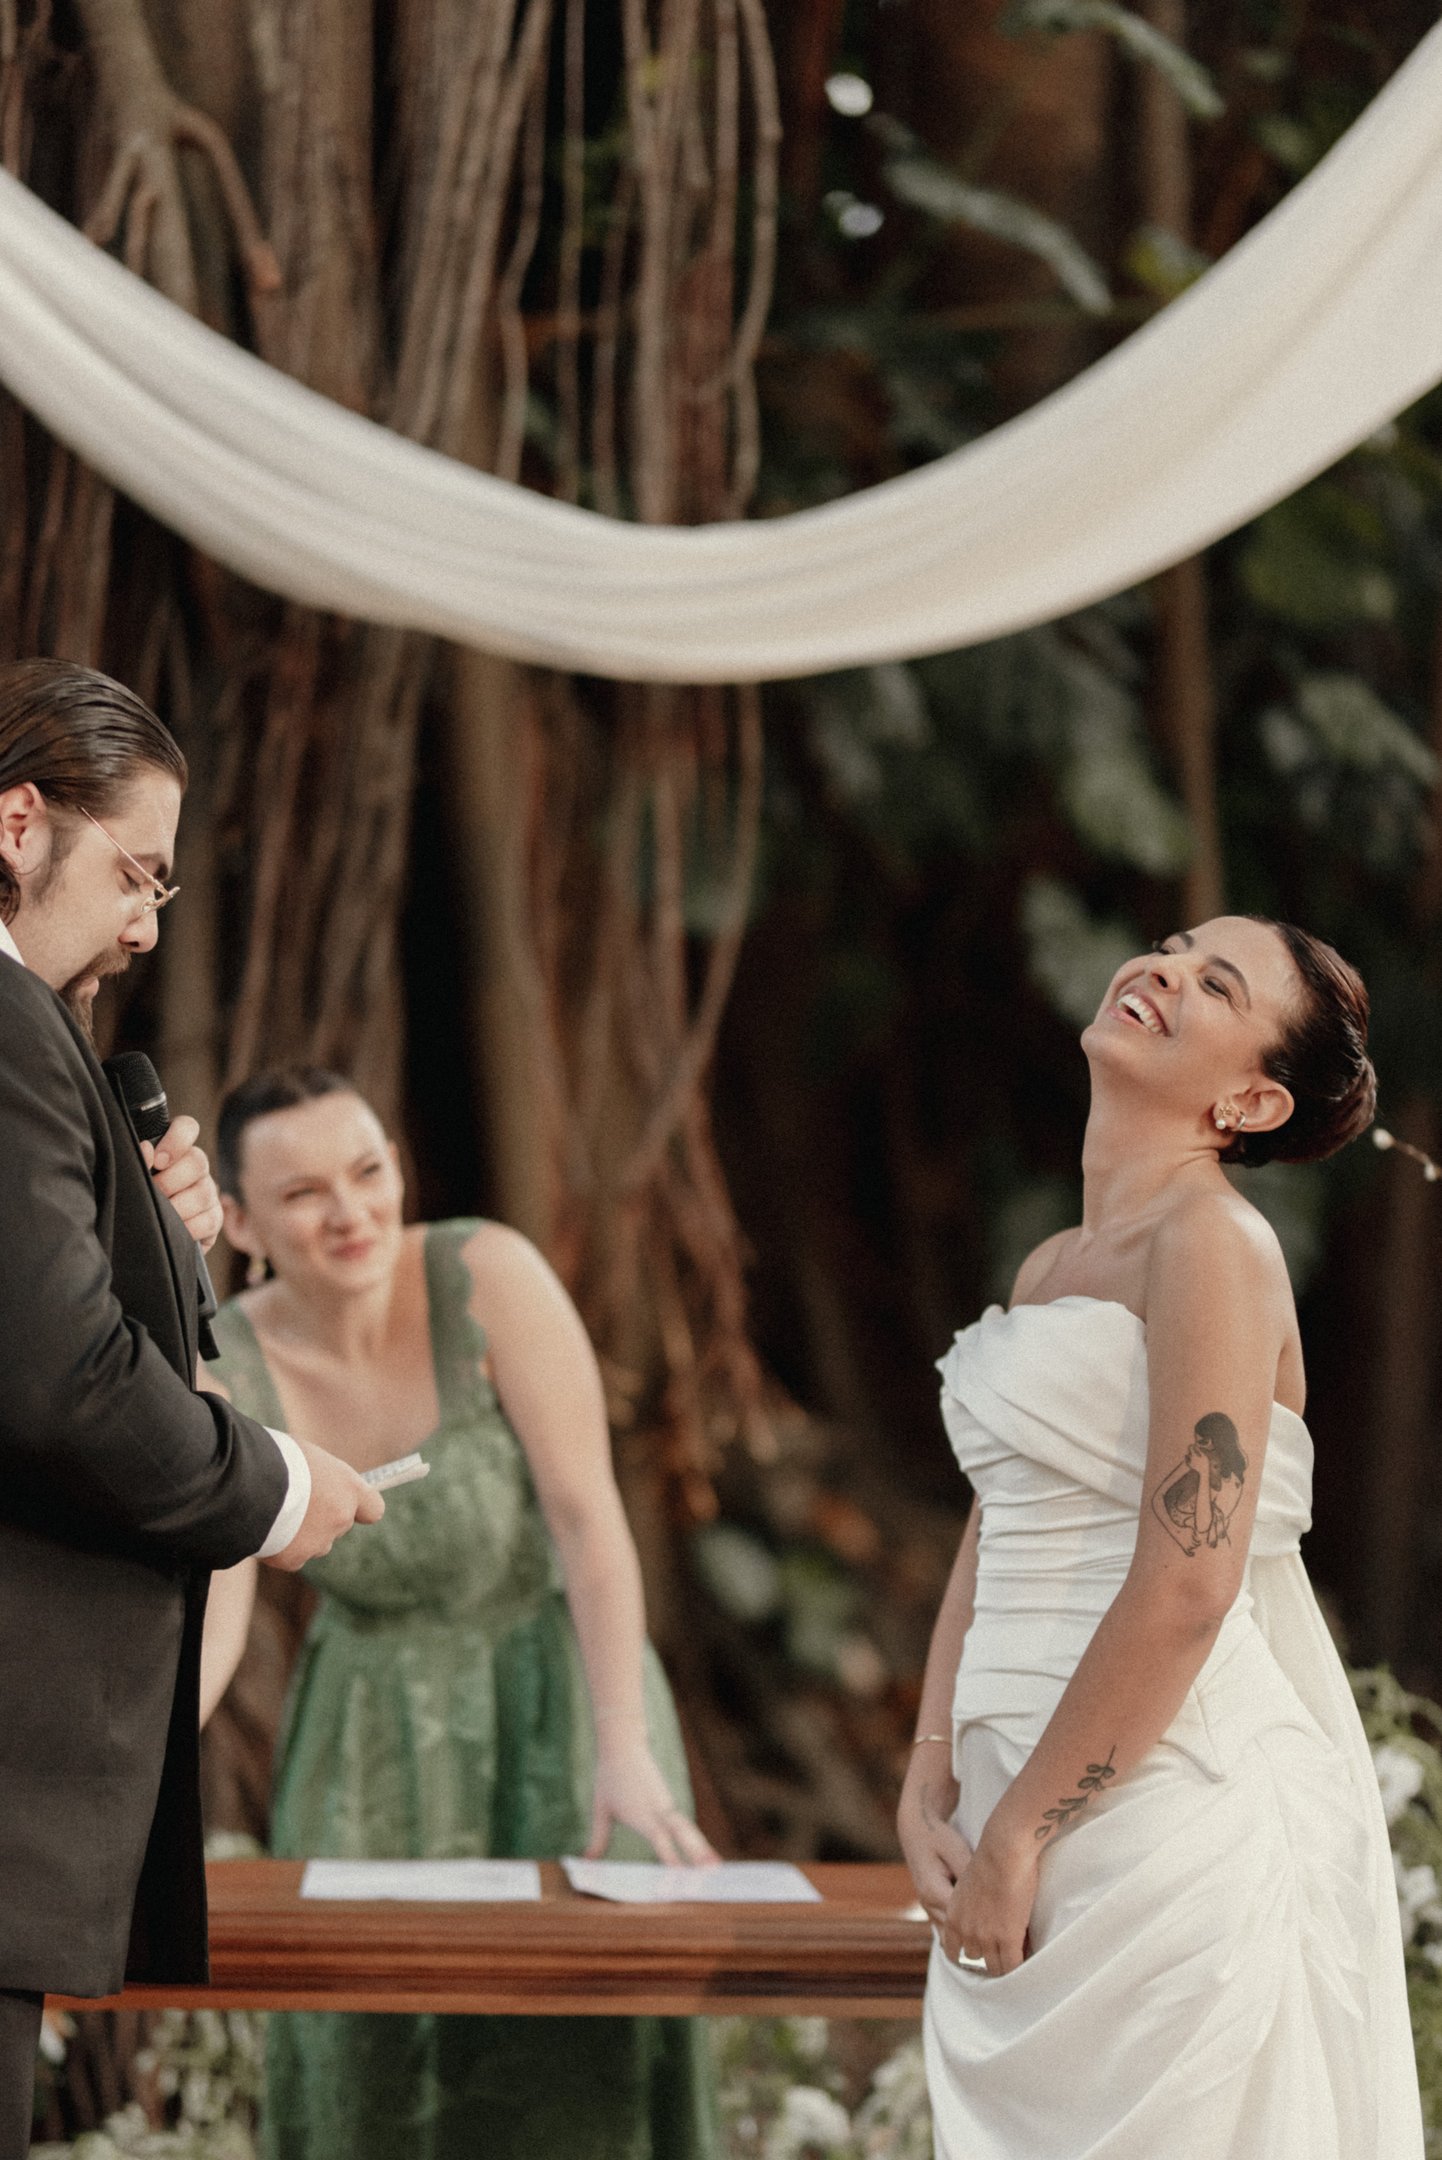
255, 1271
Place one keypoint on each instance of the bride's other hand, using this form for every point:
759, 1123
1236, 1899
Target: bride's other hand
935, 1852
990, 1907
631, 1790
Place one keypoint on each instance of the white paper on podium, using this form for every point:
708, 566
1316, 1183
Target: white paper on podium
732, 1882
430, 1882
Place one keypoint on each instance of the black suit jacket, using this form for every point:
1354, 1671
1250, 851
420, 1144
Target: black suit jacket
121, 1487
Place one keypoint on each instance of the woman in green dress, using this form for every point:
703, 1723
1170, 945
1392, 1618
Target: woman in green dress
476, 1680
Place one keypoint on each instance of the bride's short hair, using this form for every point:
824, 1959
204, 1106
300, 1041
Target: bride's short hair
1321, 1059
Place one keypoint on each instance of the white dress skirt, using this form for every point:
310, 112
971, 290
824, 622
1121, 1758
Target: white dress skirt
1215, 1968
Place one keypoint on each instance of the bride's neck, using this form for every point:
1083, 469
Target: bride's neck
1128, 1164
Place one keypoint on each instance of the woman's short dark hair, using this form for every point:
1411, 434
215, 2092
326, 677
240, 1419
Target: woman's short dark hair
282, 1088
79, 738
1321, 1060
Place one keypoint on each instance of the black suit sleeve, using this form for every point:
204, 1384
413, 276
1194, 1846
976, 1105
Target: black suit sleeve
101, 1440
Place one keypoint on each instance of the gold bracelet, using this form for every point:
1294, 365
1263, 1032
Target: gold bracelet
942, 1739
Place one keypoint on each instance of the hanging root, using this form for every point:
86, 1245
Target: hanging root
142, 199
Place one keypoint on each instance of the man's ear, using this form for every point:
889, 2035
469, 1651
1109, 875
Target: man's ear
1266, 1106
25, 827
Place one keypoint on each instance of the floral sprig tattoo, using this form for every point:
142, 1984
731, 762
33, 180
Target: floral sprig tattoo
1098, 1776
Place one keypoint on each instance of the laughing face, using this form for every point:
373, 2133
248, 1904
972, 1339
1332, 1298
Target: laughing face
321, 1196
1192, 1021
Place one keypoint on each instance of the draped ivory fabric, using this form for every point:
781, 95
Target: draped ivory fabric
1318, 327
1216, 1959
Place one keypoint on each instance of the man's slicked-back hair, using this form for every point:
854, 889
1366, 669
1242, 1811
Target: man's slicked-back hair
79, 738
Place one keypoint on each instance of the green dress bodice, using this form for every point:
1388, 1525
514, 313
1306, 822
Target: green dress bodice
439, 1710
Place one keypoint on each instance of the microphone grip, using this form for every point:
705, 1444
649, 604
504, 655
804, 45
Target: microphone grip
142, 1092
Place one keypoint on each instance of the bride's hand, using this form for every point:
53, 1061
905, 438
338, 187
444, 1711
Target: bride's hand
631, 1790
936, 1854
991, 1906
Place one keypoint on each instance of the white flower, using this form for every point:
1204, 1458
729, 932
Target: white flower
1399, 1773
895, 2117
1418, 1895
809, 2118
810, 2037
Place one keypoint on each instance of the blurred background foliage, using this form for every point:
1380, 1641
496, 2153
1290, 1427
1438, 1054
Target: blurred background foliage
958, 851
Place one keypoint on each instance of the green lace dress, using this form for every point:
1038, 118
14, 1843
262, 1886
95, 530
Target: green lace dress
439, 1710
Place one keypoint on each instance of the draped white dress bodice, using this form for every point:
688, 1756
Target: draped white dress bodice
1216, 1964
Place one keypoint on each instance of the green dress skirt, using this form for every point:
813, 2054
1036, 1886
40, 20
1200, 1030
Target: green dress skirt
439, 1710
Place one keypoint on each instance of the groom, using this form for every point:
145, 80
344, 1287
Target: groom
121, 1486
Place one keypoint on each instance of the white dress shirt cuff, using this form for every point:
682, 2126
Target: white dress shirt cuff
296, 1501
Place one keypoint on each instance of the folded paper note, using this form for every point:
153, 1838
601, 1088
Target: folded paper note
733, 1882
451, 1882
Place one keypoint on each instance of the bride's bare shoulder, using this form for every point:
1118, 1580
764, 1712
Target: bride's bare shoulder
1038, 1264
1212, 1229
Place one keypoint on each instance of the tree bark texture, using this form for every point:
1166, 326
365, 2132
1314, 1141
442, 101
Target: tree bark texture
1183, 688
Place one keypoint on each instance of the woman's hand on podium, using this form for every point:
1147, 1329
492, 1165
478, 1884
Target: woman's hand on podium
631, 1790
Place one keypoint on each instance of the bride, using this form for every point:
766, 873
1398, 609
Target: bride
1141, 1811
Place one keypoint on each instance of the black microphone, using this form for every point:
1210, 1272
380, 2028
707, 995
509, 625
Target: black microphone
140, 1088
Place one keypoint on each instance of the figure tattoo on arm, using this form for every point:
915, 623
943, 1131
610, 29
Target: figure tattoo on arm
1196, 1501
1098, 1776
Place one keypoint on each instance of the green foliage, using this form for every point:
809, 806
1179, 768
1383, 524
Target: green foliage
1318, 561
1069, 956
1162, 264
1405, 1733
925, 185
1359, 732
813, 1604
1104, 768
1142, 40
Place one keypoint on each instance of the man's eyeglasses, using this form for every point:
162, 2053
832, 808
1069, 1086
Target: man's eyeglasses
159, 895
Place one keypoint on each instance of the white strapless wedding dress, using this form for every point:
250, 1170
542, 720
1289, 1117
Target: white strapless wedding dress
1216, 1960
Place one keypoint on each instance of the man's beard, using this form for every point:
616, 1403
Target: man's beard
80, 1008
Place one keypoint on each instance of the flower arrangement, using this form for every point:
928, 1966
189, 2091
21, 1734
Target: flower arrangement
205, 2064
786, 2094
1405, 1734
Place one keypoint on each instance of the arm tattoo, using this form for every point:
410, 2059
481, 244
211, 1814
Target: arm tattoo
1197, 1499
1098, 1777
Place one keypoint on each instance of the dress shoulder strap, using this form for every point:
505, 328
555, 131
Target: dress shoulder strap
241, 1367
458, 1341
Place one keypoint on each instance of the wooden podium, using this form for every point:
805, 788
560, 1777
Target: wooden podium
860, 1953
